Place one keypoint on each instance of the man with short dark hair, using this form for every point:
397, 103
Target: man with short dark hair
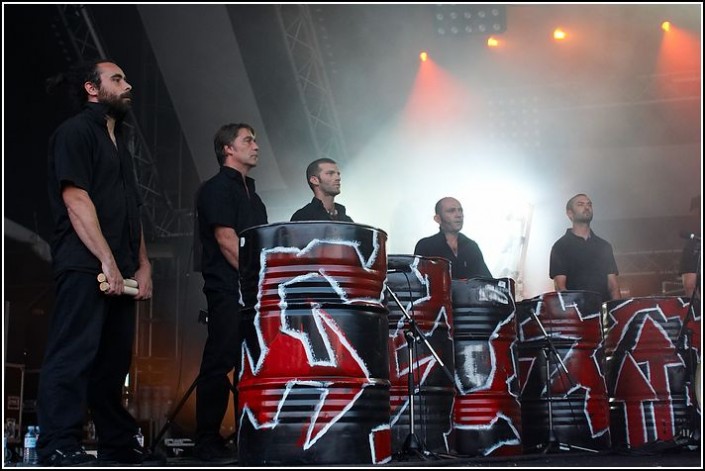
580, 260
227, 204
323, 177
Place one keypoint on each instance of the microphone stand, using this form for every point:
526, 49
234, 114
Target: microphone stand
550, 348
685, 347
413, 445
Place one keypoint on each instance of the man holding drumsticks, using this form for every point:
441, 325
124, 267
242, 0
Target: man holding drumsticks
95, 205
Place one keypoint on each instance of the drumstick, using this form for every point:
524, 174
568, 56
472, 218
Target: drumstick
127, 281
130, 290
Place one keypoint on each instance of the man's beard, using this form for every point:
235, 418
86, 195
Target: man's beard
118, 107
583, 218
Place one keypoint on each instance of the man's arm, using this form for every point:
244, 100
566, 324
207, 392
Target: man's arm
689, 283
229, 244
613, 286
143, 275
559, 282
84, 220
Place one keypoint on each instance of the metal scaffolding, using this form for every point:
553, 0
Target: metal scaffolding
163, 219
299, 34
651, 262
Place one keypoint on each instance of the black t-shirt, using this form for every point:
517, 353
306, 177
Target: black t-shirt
224, 200
584, 262
315, 211
468, 264
690, 257
82, 154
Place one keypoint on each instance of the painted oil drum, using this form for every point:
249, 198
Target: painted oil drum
564, 402
423, 287
651, 361
487, 412
314, 386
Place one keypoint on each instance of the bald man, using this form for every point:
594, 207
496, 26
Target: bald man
463, 253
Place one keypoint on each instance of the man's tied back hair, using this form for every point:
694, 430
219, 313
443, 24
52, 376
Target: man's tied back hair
69, 84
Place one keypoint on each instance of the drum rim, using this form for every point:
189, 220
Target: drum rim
313, 223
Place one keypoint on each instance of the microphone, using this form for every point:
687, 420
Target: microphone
688, 235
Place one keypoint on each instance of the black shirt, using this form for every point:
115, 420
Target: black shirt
224, 200
315, 211
81, 153
584, 262
468, 264
690, 257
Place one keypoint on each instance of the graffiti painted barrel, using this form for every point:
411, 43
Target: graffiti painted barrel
423, 287
564, 403
314, 386
487, 412
649, 373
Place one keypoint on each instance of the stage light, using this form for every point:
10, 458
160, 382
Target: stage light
423, 56
559, 34
454, 20
492, 41
666, 26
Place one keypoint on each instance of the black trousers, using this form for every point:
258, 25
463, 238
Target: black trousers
221, 355
87, 357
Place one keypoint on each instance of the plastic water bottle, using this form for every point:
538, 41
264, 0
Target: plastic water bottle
30, 446
5, 450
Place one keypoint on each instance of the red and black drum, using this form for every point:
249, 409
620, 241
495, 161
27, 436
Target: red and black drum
564, 401
314, 386
487, 412
423, 287
651, 364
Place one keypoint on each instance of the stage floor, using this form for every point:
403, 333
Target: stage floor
662, 459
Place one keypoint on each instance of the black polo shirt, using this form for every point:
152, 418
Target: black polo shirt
315, 211
81, 153
584, 262
690, 257
468, 264
225, 201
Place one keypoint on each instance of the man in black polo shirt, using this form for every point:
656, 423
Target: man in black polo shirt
580, 260
689, 263
95, 204
226, 205
323, 177
464, 253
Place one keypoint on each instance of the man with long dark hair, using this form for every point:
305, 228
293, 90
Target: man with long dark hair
95, 205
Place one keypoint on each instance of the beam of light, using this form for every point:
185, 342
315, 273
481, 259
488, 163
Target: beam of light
438, 99
423, 56
559, 34
680, 51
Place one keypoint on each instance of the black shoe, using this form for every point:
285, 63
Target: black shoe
134, 455
214, 451
69, 457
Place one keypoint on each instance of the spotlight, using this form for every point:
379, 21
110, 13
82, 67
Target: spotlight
666, 26
559, 34
492, 41
423, 56
465, 19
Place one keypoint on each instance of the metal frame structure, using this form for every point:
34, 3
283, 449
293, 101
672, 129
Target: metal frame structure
304, 53
164, 220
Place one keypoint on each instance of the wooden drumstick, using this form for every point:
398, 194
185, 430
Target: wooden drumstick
127, 281
129, 290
